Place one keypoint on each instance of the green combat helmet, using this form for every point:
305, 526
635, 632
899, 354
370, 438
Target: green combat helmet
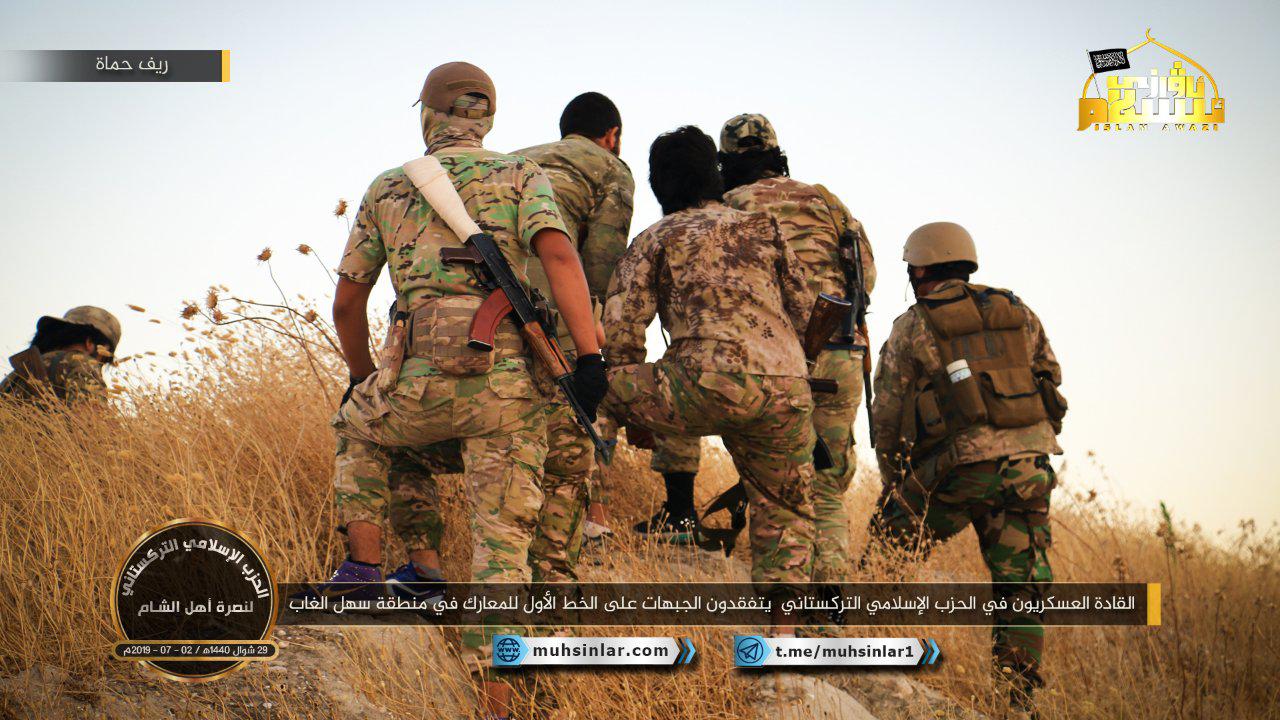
88, 316
749, 131
939, 242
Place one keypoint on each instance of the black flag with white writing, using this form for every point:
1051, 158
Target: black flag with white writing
1108, 60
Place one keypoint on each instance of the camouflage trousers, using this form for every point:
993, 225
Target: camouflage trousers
566, 486
1007, 503
765, 423
833, 419
566, 489
607, 427
500, 424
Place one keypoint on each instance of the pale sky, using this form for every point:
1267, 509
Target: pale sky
1148, 257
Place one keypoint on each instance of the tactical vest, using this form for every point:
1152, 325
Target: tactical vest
987, 328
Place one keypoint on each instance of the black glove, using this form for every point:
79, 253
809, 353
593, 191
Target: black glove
351, 385
590, 383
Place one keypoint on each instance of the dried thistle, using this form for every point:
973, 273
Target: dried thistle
189, 311
341, 209
311, 316
304, 249
265, 255
211, 300
218, 315
136, 308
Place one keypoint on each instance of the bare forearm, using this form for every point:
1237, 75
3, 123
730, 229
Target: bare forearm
568, 288
350, 318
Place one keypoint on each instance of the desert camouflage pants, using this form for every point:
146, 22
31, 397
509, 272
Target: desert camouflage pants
500, 423
765, 423
833, 418
1007, 502
607, 427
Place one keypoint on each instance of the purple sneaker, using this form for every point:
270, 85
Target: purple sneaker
352, 580
407, 583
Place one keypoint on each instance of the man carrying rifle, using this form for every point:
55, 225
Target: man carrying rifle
66, 358
733, 294
594, 191
432, 386
835, 258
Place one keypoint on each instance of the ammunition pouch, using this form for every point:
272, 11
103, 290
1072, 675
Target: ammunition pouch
439, 330
930, 423
1054, 403
987, 328
1012, 398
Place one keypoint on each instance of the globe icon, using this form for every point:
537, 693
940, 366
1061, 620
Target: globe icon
507, 649
749, 651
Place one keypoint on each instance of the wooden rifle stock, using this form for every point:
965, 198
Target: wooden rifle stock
829, 312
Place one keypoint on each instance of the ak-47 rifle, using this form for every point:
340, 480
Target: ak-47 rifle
509, 296
829, 313
855, 290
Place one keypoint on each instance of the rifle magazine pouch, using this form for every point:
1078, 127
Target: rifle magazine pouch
1013, 397
953, 314
930, 423
1054, 402
440, 330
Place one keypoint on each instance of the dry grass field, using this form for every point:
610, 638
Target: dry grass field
240, 433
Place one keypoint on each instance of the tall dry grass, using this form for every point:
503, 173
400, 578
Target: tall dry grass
239, 433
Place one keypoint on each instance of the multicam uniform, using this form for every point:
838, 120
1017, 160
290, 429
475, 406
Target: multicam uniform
73, 377
974, 450
445, 390
594, 191
732, 290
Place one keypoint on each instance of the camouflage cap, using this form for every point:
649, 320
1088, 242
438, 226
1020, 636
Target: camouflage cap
446, 84
88, 315
749, 131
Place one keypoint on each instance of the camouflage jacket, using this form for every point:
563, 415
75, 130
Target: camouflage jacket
74, 376
911, 353
594, 192
810, 227
507, 195
723, 282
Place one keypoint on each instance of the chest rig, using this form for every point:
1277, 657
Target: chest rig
987, 329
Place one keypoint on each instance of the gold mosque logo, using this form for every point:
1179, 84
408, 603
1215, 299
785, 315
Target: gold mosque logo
1172, 102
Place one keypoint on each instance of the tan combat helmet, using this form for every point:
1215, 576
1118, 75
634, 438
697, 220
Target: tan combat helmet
447, 84
939, 242
749, 131
90, 316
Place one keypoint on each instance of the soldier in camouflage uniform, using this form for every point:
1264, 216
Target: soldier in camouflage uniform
594, 191
966, 413
811, 220
445, 390
73, 350
733, 292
